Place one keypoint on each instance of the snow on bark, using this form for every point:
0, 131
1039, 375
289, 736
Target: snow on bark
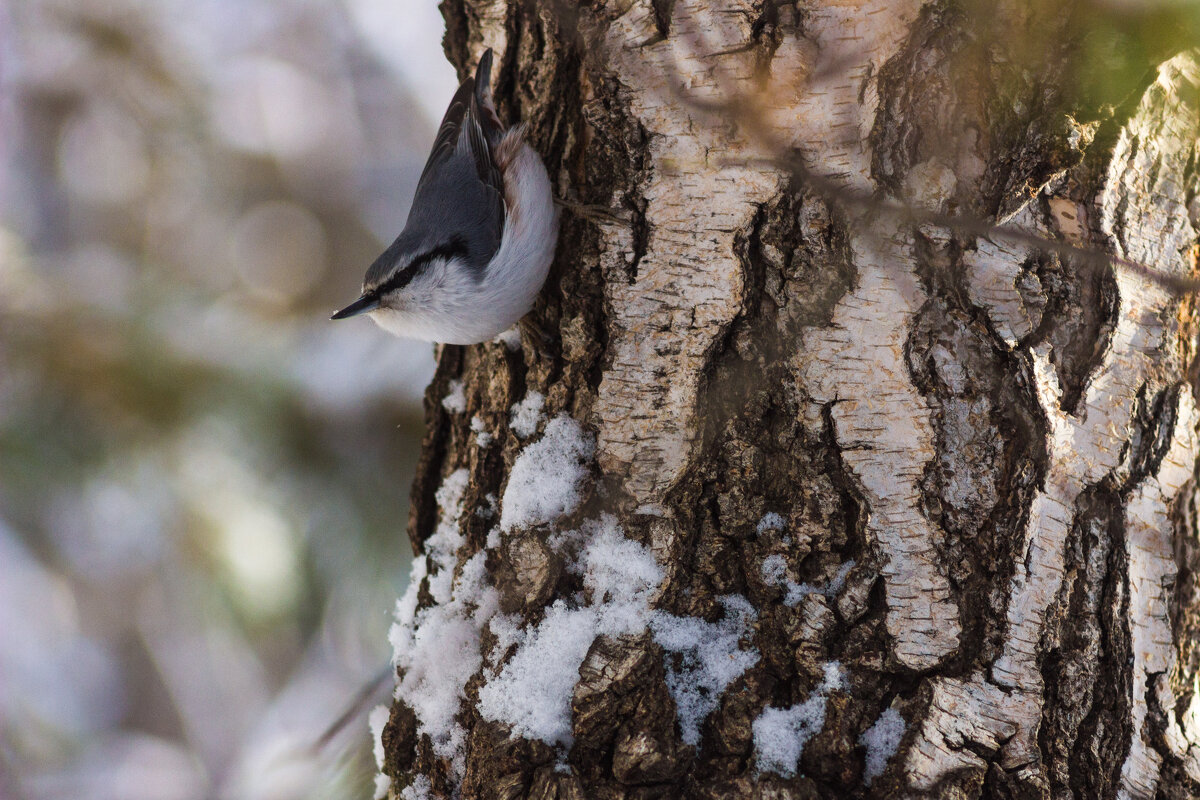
710, 658
455, 401
532, 693
526, 416
375, 721
881, 741
857, 364
437, 648
547, 478
781, 733
533, 690
1085, 447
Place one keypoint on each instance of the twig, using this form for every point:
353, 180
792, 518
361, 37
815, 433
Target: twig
354, 708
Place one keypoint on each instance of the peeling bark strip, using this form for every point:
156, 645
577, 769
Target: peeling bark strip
857, 363
697, 203
1152, 572
794, 501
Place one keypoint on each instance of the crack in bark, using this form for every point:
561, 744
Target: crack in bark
1081, 664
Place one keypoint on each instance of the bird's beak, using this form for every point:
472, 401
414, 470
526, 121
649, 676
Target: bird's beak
368, 302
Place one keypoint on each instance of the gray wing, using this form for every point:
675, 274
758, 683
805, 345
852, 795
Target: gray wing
469, 112
460, 196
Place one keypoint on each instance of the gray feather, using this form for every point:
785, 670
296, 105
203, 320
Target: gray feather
460, 197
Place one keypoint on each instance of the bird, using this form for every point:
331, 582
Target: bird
480, 236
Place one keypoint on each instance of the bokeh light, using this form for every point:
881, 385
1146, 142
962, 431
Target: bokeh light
203, 482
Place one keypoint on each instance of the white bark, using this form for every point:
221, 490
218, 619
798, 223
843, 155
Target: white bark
858, 362
688, 285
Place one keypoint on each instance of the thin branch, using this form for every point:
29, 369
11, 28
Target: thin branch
354, 709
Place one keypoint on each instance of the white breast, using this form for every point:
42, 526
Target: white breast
457, 309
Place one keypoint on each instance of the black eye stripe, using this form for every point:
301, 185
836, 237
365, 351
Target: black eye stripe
401, 278
398, 280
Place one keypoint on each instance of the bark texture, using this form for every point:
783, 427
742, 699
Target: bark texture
799, 499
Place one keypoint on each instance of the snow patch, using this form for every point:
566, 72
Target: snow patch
707, 658
510, 338
437, 648
525, 416
376, 720
881, 741
420, 789
455, 401
620, 576
532, 693
488, 510
508, 631
771, 522
547, 476
483, 437
774, 572
780, 734
441, 548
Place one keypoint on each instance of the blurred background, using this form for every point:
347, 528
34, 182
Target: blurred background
203, 481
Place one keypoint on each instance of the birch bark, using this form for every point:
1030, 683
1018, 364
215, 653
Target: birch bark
801, 499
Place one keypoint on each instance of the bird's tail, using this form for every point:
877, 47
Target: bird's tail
483, 98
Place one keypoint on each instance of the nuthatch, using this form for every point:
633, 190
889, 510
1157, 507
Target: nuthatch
479, 238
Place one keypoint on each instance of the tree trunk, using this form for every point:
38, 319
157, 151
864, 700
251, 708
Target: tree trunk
800, 497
